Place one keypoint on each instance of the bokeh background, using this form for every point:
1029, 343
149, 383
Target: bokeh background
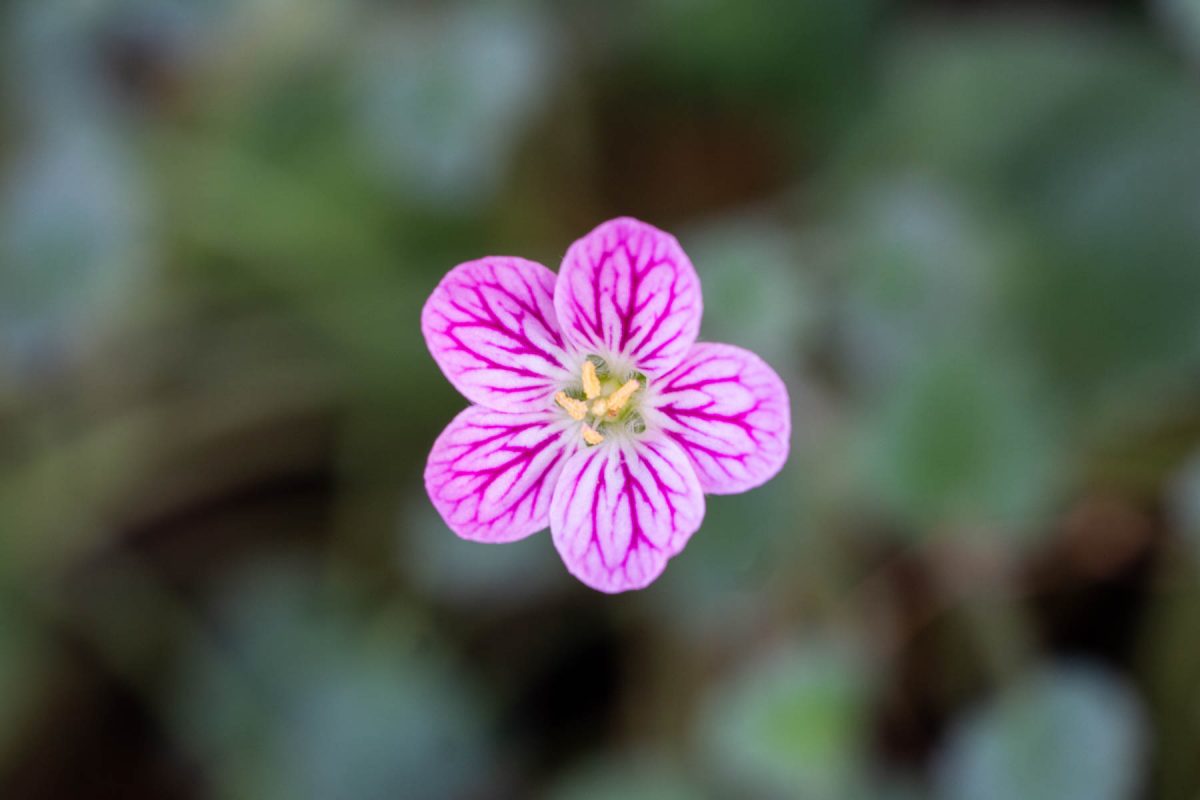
966, 234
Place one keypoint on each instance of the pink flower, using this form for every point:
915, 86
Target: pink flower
596, 412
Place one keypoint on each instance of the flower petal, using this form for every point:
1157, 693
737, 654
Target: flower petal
491, 475
491, 327
627, 289
730, 413
621, 510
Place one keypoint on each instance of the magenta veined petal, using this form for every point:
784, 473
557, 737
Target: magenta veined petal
620, 512
627, 289
491, 475
730, 413
491, 327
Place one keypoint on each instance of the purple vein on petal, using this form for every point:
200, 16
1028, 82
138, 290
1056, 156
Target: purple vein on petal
492, 328
730, 413
628, 289
620, 514
490, 474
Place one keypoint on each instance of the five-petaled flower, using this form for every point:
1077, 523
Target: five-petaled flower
596, 412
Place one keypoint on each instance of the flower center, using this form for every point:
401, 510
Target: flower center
604, 401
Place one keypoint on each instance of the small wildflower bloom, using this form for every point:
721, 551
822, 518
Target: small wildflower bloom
595, 410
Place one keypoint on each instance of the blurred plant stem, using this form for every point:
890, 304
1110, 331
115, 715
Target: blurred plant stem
975, 576
1169, 658
364, 517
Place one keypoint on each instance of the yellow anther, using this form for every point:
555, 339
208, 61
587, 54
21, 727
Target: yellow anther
596, 408
618, 399
576, 408
591, 381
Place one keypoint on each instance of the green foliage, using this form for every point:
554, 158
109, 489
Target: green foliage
1066, 733
637, 777
23, 653
73, 226
441, 95
793, 723
1083, 143
755, 286
460, 573
1184, 503
960, 441
1181, 21
922, 266
801, 58
320, 704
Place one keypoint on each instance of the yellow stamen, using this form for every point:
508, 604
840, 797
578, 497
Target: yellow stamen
618, 399
591, 436
599, 407
591, 381
577, 409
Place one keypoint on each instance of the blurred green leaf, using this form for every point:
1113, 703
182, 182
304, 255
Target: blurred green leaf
636, 777
472, 574
1181, 21
923, 267
795, 58
1081, 143
793, 723
1067, 733
22, 676
891, 787
962, 441
92, 470
52, 46
755, 288
442, 95
971, 101
1184, 503
714, 586
74, 232
303, 700
1113, 301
